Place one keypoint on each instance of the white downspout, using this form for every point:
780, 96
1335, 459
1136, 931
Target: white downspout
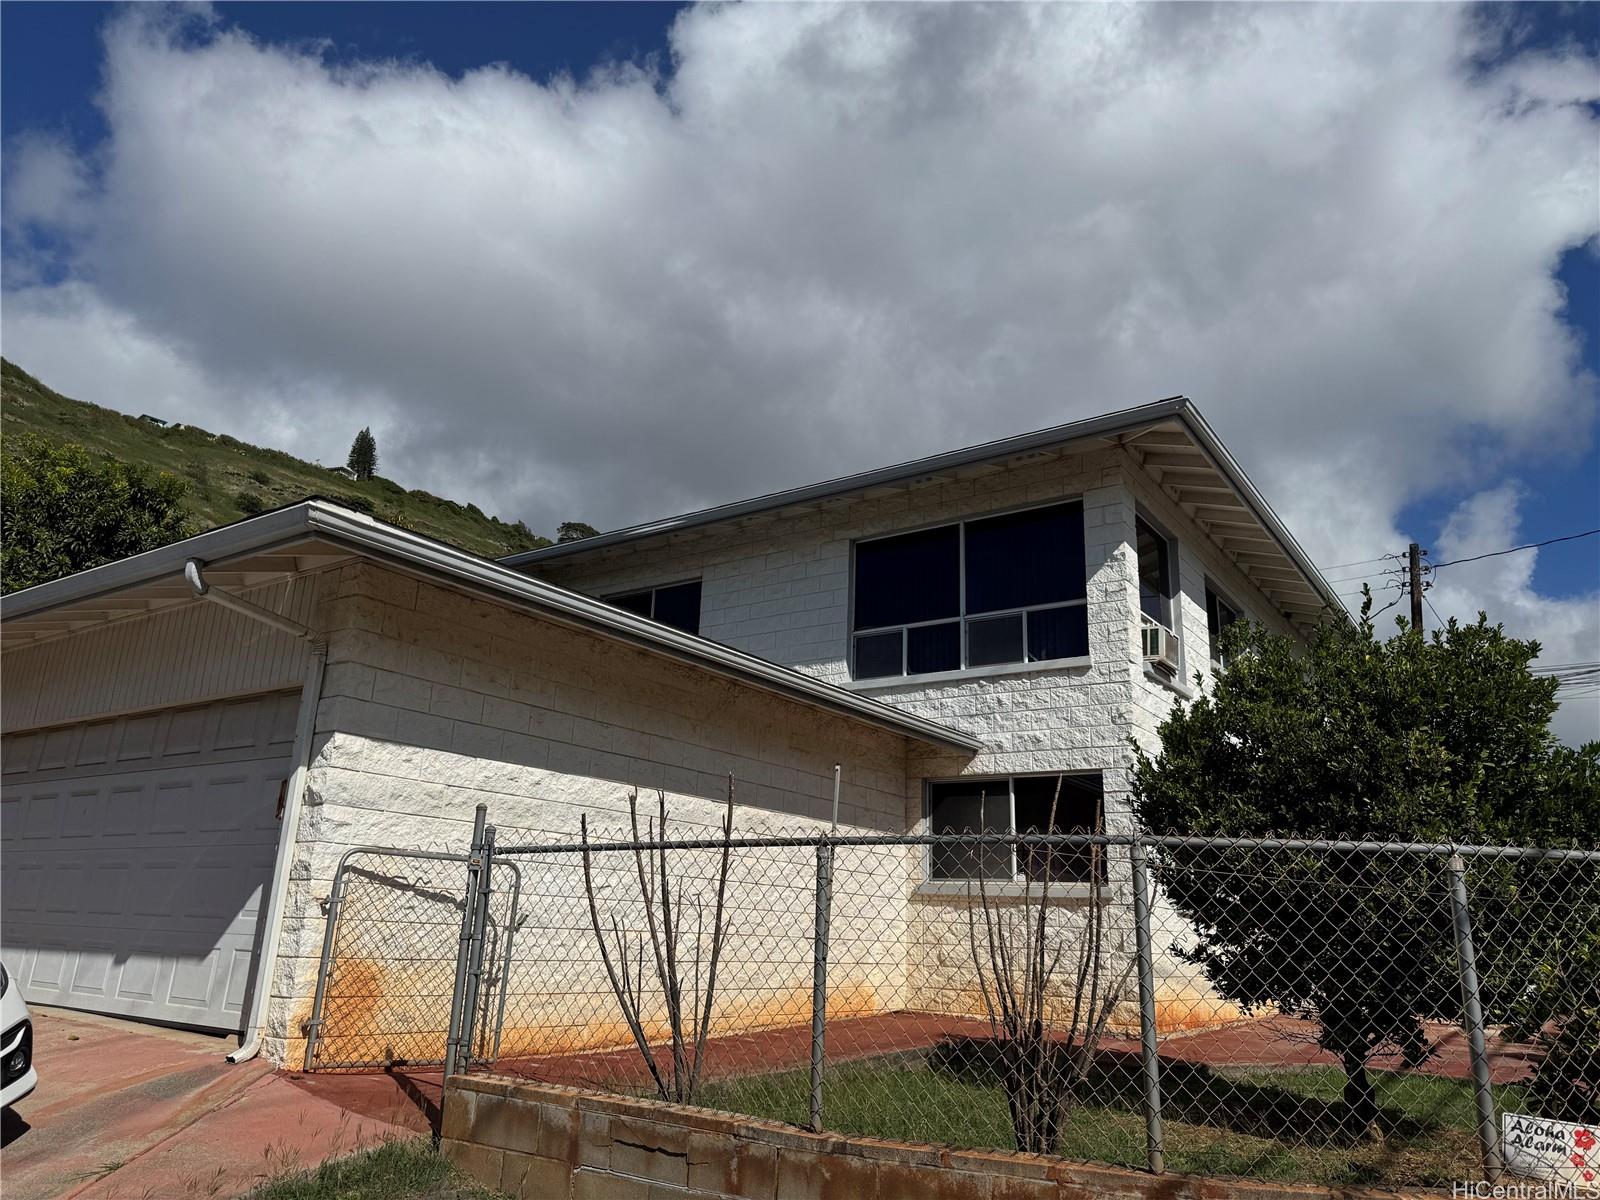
294, 795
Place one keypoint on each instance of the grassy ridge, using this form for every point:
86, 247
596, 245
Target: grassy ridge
227, 477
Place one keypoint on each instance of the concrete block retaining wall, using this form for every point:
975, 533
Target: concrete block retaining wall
541, 1142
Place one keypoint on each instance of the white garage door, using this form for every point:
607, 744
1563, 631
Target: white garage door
136, 853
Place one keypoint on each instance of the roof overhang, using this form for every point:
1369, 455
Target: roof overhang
316, 534
1168, 439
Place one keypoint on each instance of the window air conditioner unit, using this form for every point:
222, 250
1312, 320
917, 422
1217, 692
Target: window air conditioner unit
1160, 646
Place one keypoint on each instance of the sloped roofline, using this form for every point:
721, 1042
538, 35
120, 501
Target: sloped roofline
1108, 425
322, 531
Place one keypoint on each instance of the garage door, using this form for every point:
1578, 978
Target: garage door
137, 852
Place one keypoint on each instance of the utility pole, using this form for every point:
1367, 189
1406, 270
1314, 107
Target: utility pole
1414, 564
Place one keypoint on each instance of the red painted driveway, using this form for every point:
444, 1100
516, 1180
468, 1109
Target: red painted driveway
129, 1110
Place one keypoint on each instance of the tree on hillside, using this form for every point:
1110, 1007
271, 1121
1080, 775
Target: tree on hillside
364, 455
63, 510
1441, 739
573, 531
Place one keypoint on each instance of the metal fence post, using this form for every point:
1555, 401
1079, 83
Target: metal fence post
469, 912
1466, 956
819, 976
1155, 1155
313, 1027
480, 930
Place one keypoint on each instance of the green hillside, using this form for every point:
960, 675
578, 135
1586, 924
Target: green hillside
229, 479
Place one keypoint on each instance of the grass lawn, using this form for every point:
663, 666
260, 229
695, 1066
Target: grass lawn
401, 1170
1278, 1124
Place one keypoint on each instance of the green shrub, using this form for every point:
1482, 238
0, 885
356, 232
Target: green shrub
250, 503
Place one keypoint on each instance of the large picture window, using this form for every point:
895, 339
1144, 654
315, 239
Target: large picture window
1021, 804
1002, 589
675, 604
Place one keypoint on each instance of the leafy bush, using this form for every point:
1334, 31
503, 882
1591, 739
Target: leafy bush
67, 510
250, 503
259, 476
1410, 739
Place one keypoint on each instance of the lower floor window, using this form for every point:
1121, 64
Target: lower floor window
1020, 804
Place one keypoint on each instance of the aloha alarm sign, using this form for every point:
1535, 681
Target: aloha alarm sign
1537, 1148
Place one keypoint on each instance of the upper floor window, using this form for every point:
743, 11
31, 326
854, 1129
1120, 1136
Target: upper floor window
1220, 613
1020, 804
1003, 589
675, 604
1157, 574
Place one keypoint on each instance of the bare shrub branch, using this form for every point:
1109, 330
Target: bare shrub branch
664, 921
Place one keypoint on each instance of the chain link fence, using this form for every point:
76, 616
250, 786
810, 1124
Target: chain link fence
392, 965
1283, 1009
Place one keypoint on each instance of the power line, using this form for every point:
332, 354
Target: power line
1388, 606
1513, 549
1363, 562
1365, 575
1433, 610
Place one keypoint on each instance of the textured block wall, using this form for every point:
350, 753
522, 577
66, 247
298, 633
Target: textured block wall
434, 701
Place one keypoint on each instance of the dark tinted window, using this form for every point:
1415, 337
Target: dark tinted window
933, 648
1155, 574
910, 578
679, 606
634, 602
879, 654
1077, 809
1026, 558
1219, 615
994, 640
970, 807
1058, 633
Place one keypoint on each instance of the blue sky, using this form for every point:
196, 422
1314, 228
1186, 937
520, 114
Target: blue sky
52, 65
777, 243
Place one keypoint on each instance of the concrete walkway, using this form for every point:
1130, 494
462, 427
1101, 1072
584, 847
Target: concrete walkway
134, 1111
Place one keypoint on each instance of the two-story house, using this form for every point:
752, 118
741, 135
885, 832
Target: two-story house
194, 736
1049, 594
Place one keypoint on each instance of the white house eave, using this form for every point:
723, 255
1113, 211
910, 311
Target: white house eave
316, 533
1174, 444
1108, 425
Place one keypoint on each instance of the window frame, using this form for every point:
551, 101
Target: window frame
1174, 584
962, 618
1018, 883
1221, 598
612, 598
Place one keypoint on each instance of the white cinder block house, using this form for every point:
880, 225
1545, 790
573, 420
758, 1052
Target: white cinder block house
193, 736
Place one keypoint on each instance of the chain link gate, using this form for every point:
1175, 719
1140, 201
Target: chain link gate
415, 951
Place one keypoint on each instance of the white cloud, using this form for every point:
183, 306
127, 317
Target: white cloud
841, 236
1568, 629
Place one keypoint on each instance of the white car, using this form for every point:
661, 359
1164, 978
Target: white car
17, 1076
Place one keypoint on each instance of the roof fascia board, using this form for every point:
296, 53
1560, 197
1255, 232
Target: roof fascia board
1109, 424
215, 545
363, 534
572, 609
